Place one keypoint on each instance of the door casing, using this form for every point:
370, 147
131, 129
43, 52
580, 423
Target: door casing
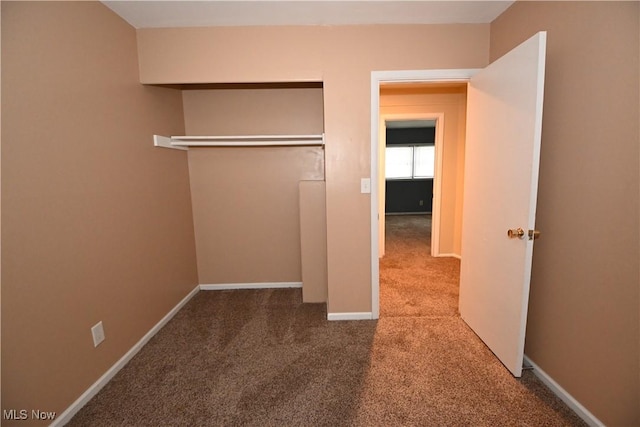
400, 76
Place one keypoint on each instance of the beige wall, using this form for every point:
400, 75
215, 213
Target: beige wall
245, 209
342, 58
0, 206
245, 200
245, 110
452, 103
97, 223
583, 316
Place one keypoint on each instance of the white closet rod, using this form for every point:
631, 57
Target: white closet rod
183, 142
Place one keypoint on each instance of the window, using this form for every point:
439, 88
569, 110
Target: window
399, 162
424, 161
410, 162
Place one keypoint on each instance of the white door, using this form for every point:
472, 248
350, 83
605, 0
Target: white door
504, 124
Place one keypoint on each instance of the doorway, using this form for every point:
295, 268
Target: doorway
401, 83
415, 278
416, 139
504, 102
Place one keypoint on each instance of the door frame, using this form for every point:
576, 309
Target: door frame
399, 76
437, 176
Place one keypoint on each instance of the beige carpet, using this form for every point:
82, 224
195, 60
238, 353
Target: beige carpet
412, 282
263, 358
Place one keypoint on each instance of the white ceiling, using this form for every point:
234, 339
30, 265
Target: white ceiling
207, 13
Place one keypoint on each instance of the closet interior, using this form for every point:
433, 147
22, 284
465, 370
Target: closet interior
256, 170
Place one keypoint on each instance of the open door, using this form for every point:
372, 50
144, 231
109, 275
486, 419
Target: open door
504, 125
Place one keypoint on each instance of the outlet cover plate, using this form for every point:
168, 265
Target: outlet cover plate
97, 331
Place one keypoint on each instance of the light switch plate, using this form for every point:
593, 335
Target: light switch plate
365, 185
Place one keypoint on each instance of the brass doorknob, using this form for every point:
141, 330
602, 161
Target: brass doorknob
515, 232
534, 234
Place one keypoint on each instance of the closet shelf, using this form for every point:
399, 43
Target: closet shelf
184, 142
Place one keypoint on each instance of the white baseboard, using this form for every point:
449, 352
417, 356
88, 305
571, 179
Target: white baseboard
449, 255
571, 402
265, 285
66, 416
350, 316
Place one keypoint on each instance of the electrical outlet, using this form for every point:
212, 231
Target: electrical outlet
421, 202
97, 331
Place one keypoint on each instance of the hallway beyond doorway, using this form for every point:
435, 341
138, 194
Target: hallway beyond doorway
412, 282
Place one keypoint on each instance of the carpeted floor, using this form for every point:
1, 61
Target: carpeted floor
263, 358
412, 283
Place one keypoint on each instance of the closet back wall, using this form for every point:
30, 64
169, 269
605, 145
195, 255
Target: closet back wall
245, 200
